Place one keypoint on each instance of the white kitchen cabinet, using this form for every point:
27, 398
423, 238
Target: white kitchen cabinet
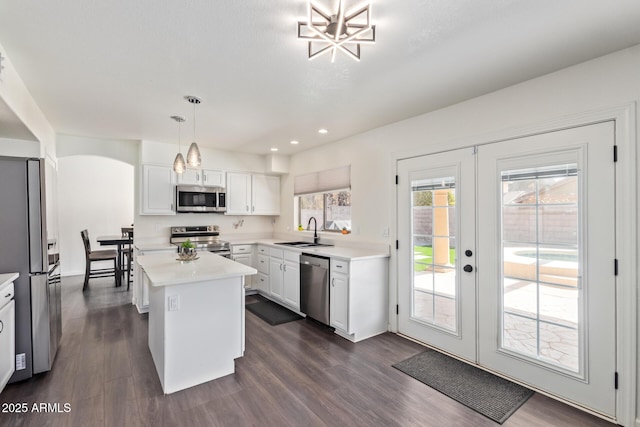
284, 277
244, 255
203, 177
140, 282
157, 191
252, 194
339, 300
262, 283
276, 277
265, 195
359, 297
292, 283
238, 193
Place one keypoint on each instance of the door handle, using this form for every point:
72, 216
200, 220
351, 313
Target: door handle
468, 268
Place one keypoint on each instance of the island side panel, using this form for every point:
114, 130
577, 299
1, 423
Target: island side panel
156, 329
204, 335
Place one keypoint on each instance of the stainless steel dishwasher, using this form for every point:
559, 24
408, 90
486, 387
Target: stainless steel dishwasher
314, 287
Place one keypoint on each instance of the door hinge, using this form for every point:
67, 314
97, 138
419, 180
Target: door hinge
397, 309
397, 245
615, 267
615, 153
615, 380
396, 179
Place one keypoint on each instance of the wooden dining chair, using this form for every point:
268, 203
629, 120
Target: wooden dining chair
128, 252
95, 256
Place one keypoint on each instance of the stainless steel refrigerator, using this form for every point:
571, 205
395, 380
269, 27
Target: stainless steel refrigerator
26, 248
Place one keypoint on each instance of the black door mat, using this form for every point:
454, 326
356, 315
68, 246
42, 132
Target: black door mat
272, 313
485, 393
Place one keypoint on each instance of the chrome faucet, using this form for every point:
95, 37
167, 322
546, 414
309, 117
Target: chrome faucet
315, 229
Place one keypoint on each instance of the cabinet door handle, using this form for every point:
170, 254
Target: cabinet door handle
197, 177
285, 267
253, 208
204, 177
333, 282
247, 208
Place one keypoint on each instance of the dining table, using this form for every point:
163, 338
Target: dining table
120, 241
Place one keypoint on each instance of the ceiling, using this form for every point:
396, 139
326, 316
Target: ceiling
118, 69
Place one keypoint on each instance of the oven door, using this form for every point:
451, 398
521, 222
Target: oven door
196, 199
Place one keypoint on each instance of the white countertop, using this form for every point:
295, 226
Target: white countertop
163, 269
343, 252
7, 278
151, 247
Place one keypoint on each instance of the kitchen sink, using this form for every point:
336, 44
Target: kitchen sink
302, 244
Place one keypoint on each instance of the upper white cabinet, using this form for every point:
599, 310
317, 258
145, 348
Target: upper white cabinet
265, 195
252, 194
204, 177
157, 190
238, 193
211, 178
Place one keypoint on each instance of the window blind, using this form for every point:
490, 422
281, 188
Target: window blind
323, 181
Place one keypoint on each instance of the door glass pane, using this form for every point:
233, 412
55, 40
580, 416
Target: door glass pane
541, 292
433, 219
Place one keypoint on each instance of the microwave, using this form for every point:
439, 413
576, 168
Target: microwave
193, 198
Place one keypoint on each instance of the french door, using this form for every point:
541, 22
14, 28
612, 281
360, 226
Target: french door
437, 296
535, 297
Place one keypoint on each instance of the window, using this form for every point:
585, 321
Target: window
332, 210
325, 196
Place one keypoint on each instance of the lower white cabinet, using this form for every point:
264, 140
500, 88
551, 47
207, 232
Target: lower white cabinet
244, 255
339, 301
291, 291
284, 277
140, 281
262, 283
358, 298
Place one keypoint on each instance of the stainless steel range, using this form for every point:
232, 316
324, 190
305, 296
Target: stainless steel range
204, 237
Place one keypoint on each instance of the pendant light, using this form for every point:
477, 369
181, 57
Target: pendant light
179, 165
193, 155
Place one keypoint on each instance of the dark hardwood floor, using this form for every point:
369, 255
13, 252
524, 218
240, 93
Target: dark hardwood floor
296, 374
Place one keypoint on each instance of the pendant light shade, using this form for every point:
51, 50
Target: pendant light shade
179, 166
193, 155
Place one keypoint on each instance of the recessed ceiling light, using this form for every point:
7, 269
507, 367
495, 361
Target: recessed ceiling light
294, 142
274, 149
323, 131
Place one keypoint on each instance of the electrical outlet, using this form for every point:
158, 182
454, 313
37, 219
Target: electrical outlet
174, 302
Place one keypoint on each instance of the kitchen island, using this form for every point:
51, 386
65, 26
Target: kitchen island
196, 317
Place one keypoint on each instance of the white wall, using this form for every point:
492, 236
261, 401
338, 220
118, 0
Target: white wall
15, 94
607, 81
95, 193
603, 83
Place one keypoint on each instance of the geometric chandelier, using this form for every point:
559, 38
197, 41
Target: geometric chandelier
328, 33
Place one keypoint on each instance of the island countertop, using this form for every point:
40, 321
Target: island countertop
164, 270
